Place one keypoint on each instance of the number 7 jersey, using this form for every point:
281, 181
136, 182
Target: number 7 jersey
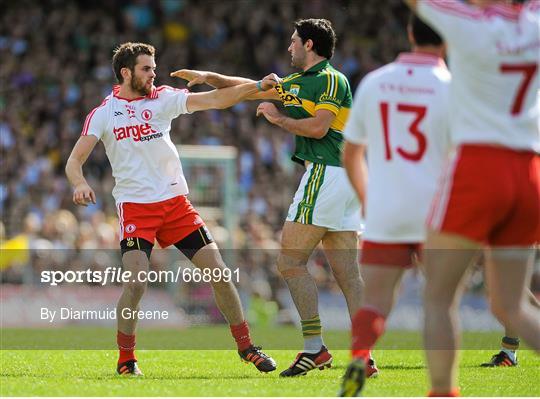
400, 112
493, 54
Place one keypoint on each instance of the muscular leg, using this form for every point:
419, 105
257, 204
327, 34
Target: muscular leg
297, 244
447, 258
226, 296
508, 274
133, 261
341, 250
368, 322
381, 283
510, 332
225, 293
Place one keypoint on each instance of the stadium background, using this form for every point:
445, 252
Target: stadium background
56, 67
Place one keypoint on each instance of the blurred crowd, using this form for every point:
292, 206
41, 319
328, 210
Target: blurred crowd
56, 67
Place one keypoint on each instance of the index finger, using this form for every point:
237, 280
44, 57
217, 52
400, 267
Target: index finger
178, 74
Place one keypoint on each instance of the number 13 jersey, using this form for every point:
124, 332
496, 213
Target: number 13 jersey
400, 112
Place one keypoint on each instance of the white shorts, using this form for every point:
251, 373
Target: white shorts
326, 198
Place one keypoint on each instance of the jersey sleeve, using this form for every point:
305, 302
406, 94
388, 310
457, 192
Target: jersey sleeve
332, 92
355, 129
173, 101
457, 22
95, 122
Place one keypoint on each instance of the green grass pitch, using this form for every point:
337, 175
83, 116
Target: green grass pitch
220, 372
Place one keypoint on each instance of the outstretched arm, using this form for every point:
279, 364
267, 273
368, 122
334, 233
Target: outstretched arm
82, 194
229, 96
354, 162
213, 79
315, 127
219, 81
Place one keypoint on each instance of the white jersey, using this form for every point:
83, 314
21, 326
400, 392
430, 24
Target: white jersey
400, 112
494, 55
145, 163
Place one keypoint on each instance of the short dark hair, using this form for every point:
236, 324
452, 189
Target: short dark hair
125, 56
322, 34
422, 33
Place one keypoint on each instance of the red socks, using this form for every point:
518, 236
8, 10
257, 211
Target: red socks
126, 343
240, 332
367, 327
454, 393
126, 346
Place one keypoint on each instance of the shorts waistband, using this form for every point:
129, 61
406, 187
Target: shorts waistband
491, 148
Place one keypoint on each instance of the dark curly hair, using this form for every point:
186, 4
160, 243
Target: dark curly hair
320, 32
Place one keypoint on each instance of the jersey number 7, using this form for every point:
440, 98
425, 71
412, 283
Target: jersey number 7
528, 71
419, 112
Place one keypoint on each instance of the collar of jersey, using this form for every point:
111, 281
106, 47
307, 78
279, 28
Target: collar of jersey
116, 90
509, 11
317, 67
420, 58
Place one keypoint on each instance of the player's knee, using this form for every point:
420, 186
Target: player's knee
349, 274
290, 265
135, 289
440, 302
293, 272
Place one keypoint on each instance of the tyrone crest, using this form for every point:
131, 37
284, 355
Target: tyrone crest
146, 115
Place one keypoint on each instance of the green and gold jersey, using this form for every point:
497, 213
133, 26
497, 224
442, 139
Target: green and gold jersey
303, 93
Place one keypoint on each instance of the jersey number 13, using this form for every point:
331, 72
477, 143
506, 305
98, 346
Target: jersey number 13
419, 113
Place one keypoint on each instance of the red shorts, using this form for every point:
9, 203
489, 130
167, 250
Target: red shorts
167, 221
390, 254
490, 195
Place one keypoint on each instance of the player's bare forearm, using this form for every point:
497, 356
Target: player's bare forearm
265, 95
315, 127
77, 158
355, 165
227, 97
82, 192
222, 81
308, 127
213, 79
74, 172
